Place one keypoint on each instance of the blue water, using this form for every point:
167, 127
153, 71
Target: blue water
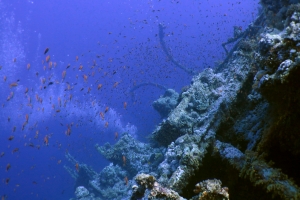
117, 45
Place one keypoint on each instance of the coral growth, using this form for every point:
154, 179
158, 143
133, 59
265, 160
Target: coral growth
156, 191
131, 154
273, 180
166, 103
247, 45
211, 190
81, 192
280, 86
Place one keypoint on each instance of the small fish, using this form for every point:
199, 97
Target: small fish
11, 138
2, 154
116, 135
46, 140
43, 80
24, 124
31, 144
116, 84
63, 74
14, 84
27, 117
59, 101
15, 150
68, 131
47, 58
76, 58
125, 105
124, 160
36, 134
7, 180
99, 86
15, 60
8, 166
46, 50
106, 109
77, 167
11, 95
89, 89
126, 180
85, 77
102, 115
29, 100
28, 66
106, 124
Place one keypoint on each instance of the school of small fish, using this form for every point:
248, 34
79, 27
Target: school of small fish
43, 139
83, 77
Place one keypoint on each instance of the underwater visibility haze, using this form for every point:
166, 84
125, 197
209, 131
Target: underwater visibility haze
122, 99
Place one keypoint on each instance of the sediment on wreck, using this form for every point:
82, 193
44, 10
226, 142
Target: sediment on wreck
197, 118
251, 103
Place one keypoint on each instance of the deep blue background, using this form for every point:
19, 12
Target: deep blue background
121, 37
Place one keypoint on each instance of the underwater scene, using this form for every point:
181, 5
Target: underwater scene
150, 99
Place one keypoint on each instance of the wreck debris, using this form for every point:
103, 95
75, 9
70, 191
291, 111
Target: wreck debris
258, 171
166, 103
252, 31
230, 110
161, 35
148, 182
81, 192
211, 190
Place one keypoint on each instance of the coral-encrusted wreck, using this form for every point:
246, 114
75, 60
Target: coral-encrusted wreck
237, 123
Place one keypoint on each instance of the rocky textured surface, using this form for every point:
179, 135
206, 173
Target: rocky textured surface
203, 108
81, 192
166, 103
237, 123
155, 190
111, 182
258, 118
132, 155
211, 190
